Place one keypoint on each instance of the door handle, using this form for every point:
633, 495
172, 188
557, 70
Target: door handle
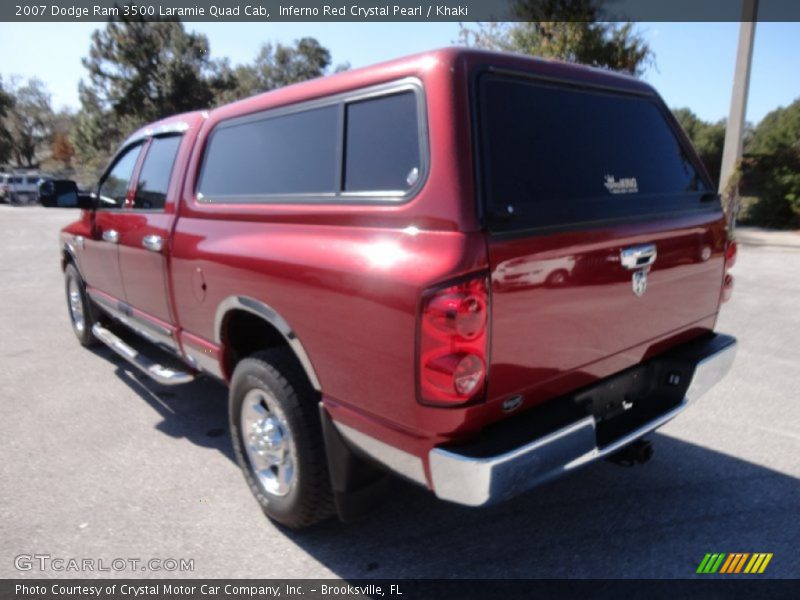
637, 257
111, 236
154, 243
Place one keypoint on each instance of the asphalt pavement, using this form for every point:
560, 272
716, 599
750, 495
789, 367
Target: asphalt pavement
100, 463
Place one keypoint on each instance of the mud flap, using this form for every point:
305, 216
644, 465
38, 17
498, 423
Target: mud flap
358, 485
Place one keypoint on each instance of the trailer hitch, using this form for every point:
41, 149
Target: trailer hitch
635, 453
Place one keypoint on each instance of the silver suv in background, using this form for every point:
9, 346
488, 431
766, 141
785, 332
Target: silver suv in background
20, 188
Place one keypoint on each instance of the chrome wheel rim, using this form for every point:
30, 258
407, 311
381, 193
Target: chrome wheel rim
75, 302
268, 442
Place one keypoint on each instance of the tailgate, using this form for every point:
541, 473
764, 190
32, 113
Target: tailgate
604, 233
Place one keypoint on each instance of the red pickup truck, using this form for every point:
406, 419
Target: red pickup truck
473, 270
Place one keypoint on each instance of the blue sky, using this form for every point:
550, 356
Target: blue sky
694, 61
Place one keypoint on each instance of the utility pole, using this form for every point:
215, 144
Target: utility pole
732, 151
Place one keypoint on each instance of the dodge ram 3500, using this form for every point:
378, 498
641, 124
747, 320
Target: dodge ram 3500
474, 270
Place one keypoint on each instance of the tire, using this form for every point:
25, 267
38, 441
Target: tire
557, 278
277, 439
79, 307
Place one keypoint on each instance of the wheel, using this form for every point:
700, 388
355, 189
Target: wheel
557, 278
277, 439
81, 315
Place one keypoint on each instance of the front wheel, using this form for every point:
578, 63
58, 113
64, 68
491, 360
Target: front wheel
277, 439
81, 315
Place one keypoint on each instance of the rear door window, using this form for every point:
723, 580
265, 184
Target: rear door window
154, 176
555, 155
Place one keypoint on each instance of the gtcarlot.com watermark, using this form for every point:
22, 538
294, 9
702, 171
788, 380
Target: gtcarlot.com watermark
58, 564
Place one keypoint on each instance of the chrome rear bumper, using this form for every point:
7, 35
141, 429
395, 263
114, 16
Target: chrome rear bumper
477, 481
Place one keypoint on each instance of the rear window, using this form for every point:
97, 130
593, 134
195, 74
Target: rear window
557, 155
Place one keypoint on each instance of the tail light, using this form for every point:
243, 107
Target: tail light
453, 342
730, 254
730, 259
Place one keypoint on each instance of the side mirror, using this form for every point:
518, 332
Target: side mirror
64, 193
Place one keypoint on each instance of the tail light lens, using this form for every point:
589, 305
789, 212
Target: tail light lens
730, 254
730, 259
453, 341
727, 287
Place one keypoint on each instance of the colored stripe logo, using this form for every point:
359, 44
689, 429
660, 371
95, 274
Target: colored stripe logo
734, 562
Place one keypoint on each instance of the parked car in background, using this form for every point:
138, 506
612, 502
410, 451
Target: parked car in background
389, 268
22, 188
58, 193
521, 272
43, 180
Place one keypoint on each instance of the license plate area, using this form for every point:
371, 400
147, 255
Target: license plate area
626, 401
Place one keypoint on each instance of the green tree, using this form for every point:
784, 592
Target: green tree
141, 71
278, 65
97, 132
138, 72
771, 169
707, 138
571, 30
62, 150
6, 143
30, 122
149, 70
778, 130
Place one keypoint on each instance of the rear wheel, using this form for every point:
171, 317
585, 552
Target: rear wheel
81, 315
277, 439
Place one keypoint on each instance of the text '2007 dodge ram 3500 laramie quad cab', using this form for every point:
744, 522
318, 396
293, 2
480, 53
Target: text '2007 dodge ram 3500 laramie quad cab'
477, 271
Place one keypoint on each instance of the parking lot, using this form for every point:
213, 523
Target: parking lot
98, 462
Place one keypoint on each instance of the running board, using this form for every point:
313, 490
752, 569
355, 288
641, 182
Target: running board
155, 371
